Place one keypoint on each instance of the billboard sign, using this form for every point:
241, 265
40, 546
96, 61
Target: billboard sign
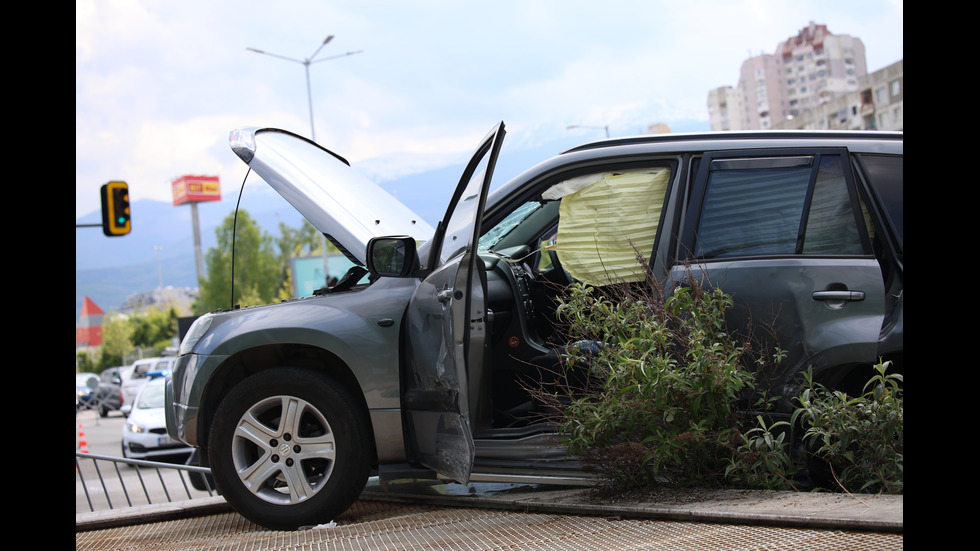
196, 189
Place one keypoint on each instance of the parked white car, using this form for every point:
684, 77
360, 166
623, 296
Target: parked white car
138, 377
144, 435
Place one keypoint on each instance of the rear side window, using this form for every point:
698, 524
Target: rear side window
777, 206
886, 175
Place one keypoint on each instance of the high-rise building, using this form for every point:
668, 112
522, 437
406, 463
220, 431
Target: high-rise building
763, 93
820, 66
806, 71
877, 104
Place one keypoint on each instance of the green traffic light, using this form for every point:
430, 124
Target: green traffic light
115, 208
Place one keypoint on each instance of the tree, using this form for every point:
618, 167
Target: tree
154, 328
299, 242
117, 340
293, 242
257, 269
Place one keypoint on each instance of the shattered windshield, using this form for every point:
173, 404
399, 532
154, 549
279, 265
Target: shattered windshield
498, 232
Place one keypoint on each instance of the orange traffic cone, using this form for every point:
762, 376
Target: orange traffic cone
82, 443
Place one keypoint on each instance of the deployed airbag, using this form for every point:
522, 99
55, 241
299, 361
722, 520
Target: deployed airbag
603, 227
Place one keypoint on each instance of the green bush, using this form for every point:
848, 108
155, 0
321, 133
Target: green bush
665, 387
657, 391
763, 461
859, 439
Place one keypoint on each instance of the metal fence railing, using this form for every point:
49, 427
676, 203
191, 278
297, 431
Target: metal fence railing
105, 482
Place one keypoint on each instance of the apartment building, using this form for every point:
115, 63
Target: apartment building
877, 104
806, 71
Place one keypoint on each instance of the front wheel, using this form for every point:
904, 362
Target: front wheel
289, 448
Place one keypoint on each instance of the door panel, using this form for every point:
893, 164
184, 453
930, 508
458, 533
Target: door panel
782, 233
446, 328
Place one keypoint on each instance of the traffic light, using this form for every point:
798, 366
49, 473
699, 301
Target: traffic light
115, 209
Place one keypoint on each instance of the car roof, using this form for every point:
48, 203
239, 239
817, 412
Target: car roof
634, 148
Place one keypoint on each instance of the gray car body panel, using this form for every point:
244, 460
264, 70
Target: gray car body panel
360, 328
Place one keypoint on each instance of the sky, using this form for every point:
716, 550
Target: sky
160, 84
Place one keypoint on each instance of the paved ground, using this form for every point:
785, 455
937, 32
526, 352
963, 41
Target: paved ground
876, 513
451, 517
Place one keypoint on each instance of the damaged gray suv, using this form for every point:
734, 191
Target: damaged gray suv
416, 363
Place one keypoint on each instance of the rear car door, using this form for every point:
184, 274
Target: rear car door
784, 234
446, 329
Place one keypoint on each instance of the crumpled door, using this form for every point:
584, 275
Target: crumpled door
446, 329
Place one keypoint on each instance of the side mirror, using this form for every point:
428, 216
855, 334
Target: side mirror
394, 256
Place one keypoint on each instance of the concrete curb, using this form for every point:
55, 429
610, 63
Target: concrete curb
872, 513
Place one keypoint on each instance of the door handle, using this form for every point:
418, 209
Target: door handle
849, 296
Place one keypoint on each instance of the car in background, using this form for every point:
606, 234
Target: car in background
108, 396
144, 435
85, 385
138, 376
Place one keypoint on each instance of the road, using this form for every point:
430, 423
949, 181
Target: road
103, 435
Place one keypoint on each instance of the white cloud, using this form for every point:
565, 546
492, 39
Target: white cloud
160, 84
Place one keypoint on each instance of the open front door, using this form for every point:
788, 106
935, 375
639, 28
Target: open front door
446, 326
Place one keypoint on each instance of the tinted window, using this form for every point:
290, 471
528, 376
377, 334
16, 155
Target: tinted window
886, 172
831, 225
777, 206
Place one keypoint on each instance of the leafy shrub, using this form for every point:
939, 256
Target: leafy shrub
859, 439
665, 383
763, 461
657, 391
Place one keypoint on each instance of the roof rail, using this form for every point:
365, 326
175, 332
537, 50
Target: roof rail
740, 135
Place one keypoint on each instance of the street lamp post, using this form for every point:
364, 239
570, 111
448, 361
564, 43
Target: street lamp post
306, 66
309, 99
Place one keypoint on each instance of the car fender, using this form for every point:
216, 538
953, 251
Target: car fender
351, 336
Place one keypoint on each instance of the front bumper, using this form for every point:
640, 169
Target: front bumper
178, 417
182, 397
153, 445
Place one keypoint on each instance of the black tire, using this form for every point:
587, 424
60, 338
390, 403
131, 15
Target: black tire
301, 472
103, 411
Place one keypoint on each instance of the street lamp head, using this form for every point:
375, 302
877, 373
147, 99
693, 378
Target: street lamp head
306, 62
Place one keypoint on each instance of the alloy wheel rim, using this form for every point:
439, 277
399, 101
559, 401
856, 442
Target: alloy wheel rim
283, 450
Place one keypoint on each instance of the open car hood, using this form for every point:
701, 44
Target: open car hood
347, 207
